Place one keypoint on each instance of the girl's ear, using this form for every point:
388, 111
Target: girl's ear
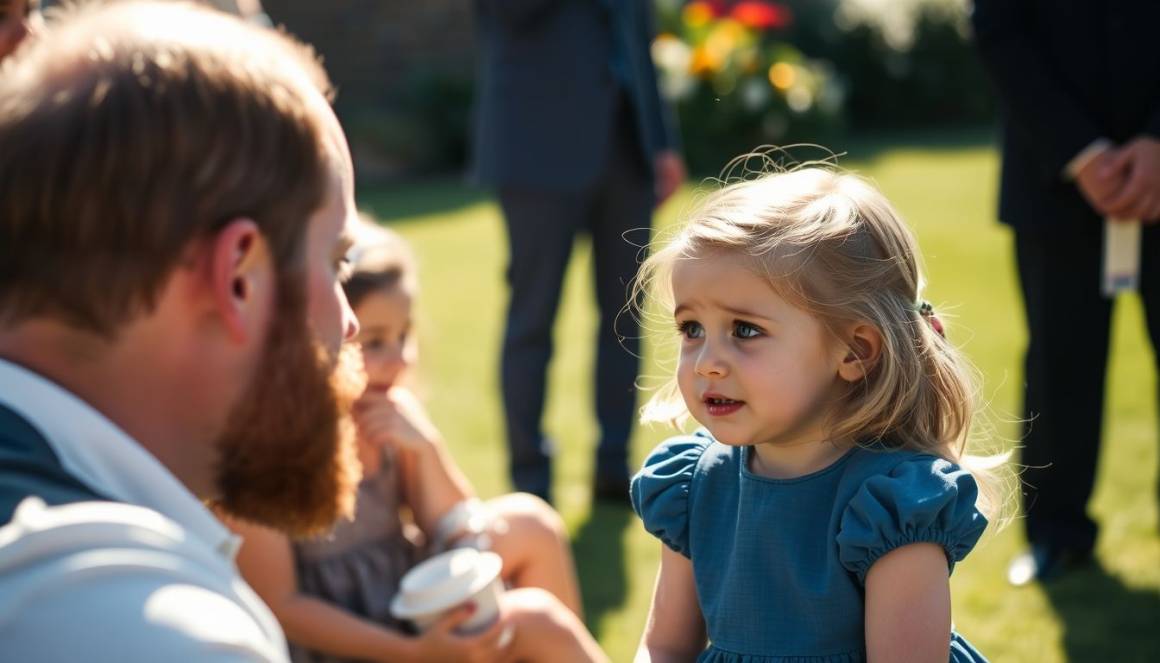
862, 352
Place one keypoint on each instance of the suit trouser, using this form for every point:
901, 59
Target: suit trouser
1068, 322
616, 211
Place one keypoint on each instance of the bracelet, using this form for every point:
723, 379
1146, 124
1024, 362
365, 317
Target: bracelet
468, 519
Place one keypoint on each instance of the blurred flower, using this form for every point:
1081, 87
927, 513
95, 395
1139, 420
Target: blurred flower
671, 54
748, 59
760, 15
697, 14
754, 95
782, 75
705, 62
673, 58
724, 38
799, 99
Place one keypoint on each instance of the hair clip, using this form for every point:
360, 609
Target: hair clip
927, 312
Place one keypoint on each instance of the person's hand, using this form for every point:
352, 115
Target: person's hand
1099, 182
670, 173
396, 420
441, 642
1139, 163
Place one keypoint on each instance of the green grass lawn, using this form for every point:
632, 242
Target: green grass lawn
945, 187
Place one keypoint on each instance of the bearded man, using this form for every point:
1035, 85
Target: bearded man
175, 202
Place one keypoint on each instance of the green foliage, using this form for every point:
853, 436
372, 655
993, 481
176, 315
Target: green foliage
423, 130
835, 71
945, 187
933, 80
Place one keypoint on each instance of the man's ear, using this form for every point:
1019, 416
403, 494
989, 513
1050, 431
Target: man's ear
863, 350
241, 276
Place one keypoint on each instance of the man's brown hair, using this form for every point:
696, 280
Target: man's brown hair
132, 129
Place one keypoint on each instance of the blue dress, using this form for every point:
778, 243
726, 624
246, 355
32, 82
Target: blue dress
780, 565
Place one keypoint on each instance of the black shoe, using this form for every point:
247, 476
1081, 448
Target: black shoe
613, 490
1045, 563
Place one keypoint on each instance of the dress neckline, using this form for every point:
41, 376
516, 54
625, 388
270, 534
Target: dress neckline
747, 450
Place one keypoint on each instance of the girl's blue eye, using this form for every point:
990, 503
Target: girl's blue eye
691, 329
746, 330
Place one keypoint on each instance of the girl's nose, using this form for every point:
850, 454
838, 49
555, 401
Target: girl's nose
710, 364
395, 359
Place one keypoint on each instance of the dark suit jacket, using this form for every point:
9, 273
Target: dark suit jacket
1067, 72
546, 96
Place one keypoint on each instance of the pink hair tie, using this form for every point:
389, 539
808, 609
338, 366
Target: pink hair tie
927, 312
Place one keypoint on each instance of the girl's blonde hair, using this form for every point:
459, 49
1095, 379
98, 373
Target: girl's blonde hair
830, 243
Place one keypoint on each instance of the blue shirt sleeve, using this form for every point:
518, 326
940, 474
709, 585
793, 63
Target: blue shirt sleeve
921, 500
660, 491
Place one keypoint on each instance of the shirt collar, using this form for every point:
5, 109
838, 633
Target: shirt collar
101, 455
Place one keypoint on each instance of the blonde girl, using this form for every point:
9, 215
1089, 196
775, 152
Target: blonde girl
818, 512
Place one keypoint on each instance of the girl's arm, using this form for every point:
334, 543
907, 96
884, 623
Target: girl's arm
431, 481
908, 605
267, 563
675, 630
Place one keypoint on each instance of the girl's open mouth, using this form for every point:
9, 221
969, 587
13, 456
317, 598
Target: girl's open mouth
720, 406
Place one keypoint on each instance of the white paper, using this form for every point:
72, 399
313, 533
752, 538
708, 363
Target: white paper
1121, 256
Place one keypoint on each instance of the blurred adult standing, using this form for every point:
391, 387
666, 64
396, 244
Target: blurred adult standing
572, 134
176, 201
1079, 85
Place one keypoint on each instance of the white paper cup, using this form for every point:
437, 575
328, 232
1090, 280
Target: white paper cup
446, 581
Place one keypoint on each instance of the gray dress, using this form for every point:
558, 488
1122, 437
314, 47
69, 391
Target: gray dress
359, 565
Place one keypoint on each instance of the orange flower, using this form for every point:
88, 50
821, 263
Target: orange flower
782, 76
697, 14
705, 62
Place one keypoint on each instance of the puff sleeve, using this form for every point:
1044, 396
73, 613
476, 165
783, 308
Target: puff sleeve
921, 500
660, 491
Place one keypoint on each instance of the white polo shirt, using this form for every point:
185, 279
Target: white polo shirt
149, 578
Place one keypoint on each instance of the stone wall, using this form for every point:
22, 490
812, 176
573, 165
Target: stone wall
403, 69
373, 48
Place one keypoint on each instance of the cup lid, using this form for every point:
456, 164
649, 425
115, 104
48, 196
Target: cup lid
444, 581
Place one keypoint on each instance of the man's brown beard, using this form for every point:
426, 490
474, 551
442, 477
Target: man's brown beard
288, 458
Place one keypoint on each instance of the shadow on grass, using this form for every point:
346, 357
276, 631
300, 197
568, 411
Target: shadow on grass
1105, 620
600, 561
402, 200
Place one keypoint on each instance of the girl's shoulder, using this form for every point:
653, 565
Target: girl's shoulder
663, 489
691, 456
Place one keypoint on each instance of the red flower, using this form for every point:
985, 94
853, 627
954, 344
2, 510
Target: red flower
718, 6
760, 15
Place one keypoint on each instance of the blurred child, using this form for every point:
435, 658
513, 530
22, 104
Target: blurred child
819, 511
332, 595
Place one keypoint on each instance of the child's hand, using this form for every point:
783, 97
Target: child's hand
396, 420
442, 643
